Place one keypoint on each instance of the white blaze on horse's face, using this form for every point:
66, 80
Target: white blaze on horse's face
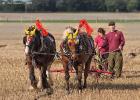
72, 46
27, 45
26, 48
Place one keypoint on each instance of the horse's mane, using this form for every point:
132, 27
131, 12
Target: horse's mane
47, 44
83, 41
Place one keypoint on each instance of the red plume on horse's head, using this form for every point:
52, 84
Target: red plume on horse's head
84, 23
40, 27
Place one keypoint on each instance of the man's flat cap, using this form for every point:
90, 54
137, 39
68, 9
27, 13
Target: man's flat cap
111, 23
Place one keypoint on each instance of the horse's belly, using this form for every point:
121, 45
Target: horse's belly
44, 60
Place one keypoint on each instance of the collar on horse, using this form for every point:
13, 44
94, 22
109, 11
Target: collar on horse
84, 44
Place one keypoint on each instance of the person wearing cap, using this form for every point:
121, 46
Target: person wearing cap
101, 45
116, 42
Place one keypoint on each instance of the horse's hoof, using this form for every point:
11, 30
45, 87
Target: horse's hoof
79, 91
39, 85
49, 91
67, 92
31, 88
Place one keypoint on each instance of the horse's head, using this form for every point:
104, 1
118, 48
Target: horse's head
73, 43
29, 39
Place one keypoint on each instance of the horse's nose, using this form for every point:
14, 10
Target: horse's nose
73, 57
26, 50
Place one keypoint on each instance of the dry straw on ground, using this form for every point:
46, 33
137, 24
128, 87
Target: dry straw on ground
14, 74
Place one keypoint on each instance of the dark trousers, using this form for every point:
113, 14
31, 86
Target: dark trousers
115, 63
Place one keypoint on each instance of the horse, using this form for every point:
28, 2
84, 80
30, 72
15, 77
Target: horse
39, 52
78, 53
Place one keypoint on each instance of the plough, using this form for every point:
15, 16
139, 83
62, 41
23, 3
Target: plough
72, 70
90, 71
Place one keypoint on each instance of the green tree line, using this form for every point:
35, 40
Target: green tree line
70, 6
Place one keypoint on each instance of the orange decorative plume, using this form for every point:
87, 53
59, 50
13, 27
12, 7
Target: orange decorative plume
84, 23
40, 27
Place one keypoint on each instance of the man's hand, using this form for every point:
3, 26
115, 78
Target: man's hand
99, 48
120, 47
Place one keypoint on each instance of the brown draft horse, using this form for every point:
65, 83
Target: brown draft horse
39, 51
79, 53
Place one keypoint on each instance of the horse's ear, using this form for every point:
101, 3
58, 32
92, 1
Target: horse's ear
24, 40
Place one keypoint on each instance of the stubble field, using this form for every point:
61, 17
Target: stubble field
14, 80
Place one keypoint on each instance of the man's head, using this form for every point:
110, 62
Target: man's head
112, 26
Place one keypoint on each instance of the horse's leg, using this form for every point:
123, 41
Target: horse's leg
49, 75
67, 76
32, 77
76, 69
31, 73
42, 83
86, 71
39, 85
80, 69
44, 77
45, 82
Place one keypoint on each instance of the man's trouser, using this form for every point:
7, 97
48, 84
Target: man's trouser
115, 63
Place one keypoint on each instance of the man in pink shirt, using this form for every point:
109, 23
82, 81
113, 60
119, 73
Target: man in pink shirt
116, 42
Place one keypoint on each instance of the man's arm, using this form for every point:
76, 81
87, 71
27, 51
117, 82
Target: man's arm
122, 41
